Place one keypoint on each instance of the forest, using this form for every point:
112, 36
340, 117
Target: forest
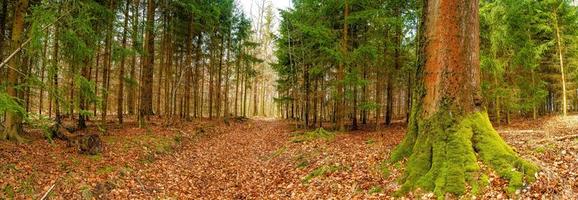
288, 99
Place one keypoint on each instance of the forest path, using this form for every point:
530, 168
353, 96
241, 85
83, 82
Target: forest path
228, 161
267, 159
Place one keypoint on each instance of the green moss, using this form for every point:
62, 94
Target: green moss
9, 192
321, 171
319, 133
105, 170
370, 141
443, 152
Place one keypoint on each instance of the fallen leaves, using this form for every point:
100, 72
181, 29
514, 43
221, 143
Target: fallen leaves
259, 159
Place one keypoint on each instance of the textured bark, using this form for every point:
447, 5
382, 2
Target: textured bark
340, 108
13, 121
561, 57
107, 62
146, 101
449, 129
3, 16
120, 96
131, 103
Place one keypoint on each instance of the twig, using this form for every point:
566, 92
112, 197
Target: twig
566, 137
558, 138
48, 192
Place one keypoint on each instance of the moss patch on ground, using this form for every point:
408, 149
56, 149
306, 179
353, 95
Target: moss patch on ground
319, 133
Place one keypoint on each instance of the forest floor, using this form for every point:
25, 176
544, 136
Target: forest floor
259, 159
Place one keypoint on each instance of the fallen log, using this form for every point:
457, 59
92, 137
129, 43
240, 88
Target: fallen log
84, 143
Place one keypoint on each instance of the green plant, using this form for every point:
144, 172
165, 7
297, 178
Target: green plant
321, 171
375, 190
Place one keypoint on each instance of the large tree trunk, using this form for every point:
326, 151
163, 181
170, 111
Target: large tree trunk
13, 118
449, 129
146, 93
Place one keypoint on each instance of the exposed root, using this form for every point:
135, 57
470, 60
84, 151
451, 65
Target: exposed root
443, 152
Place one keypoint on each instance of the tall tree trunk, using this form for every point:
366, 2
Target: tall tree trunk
107, 63
55, 89
120, 96
42, 74
449, 129
13, 118
341, 72
561, 56
131, 103
3, 16
146, 98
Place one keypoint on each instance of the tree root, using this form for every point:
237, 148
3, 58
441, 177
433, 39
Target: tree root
443, 152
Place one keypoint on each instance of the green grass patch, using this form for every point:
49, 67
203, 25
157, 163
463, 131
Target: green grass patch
545, 148
370, 141
383, 168
278, 152
320, 172
375, 190
301, 161
105, 170
123, 171
95, 158
86, 192
319, 133
148, 158
8, 192
27, 186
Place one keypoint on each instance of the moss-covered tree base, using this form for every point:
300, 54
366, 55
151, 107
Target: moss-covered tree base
443, 153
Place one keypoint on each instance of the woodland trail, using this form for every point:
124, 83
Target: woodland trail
260, 159
231, 164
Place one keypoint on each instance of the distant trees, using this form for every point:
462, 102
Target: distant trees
338, 61
523, 70
197, 59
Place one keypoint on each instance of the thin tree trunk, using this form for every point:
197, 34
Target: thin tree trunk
120, 97
14, 119
341, 72
561, 56
135, 45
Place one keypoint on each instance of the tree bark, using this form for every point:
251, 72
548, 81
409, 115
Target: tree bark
13, 118
146, 107
131, 103
341, 72
120, 96
449, 129
561, 56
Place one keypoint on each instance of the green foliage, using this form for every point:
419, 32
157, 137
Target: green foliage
518, 51
10, 104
